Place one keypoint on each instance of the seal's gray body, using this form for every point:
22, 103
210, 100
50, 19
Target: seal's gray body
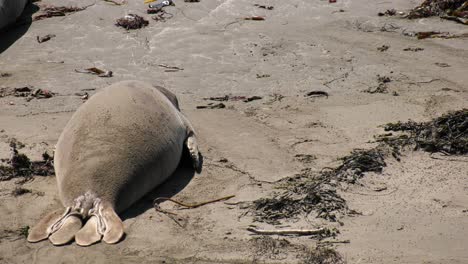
10, 10
123, 142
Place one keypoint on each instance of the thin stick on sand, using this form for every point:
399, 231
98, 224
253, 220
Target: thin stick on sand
155, 202
285, 232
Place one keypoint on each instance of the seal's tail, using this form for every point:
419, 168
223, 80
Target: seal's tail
61, 227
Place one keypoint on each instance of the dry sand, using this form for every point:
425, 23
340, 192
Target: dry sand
303, 46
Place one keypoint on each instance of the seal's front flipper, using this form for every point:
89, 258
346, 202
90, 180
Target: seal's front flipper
43, 229
67, 230
114, 229
192, 146
89, 234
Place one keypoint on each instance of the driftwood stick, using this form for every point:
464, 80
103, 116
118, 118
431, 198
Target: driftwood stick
284, 232
191, 205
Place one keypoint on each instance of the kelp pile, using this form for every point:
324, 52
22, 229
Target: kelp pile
447, 134
19, 165
448, 9
307, 192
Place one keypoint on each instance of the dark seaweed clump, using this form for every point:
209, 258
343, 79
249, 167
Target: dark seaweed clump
323, 255
447, 134
19, 165
439, 8
456, 10
306, 194
359, 162
132, 21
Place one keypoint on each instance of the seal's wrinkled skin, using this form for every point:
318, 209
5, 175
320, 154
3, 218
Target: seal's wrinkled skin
123, 142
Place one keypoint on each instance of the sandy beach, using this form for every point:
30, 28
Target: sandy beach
414, 211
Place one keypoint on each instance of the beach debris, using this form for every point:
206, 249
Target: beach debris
323, 255
170, 68
316, 192
19, 165
244, 99
316, 94
96, 71
161, 4
18, 191
442, 64
305, 158
388, 12
115, 2
132, 21
456, 10
84, 95
287, 232
256, 18
218, 98
331, 1
381, 88
13, 235
158, 8
447, 134
211, 106
413, 49
159, 200
381, 85
5, 74
191, 1
359, 162
55, 11
251, 98
263, 76
383, 48
27, 92
437, 34
383, 79
303, 196
45, 38
264, 6
162, 16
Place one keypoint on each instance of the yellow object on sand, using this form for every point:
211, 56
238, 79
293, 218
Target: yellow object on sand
149, 1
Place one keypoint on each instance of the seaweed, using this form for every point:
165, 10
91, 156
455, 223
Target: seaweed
359, 162
19, 165
27, 92
447, 134
18, 191
13, 235
381, 87
456, 10
270, 210
56, 11
323, 255
439, 8
308, 192
132, 21
305, 194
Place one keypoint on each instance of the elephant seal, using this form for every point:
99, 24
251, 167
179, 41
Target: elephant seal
119, 145
10, 10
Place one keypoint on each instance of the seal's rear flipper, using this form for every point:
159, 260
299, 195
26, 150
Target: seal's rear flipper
66, 232
114, 227
89, 234
43, 229
192, 146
